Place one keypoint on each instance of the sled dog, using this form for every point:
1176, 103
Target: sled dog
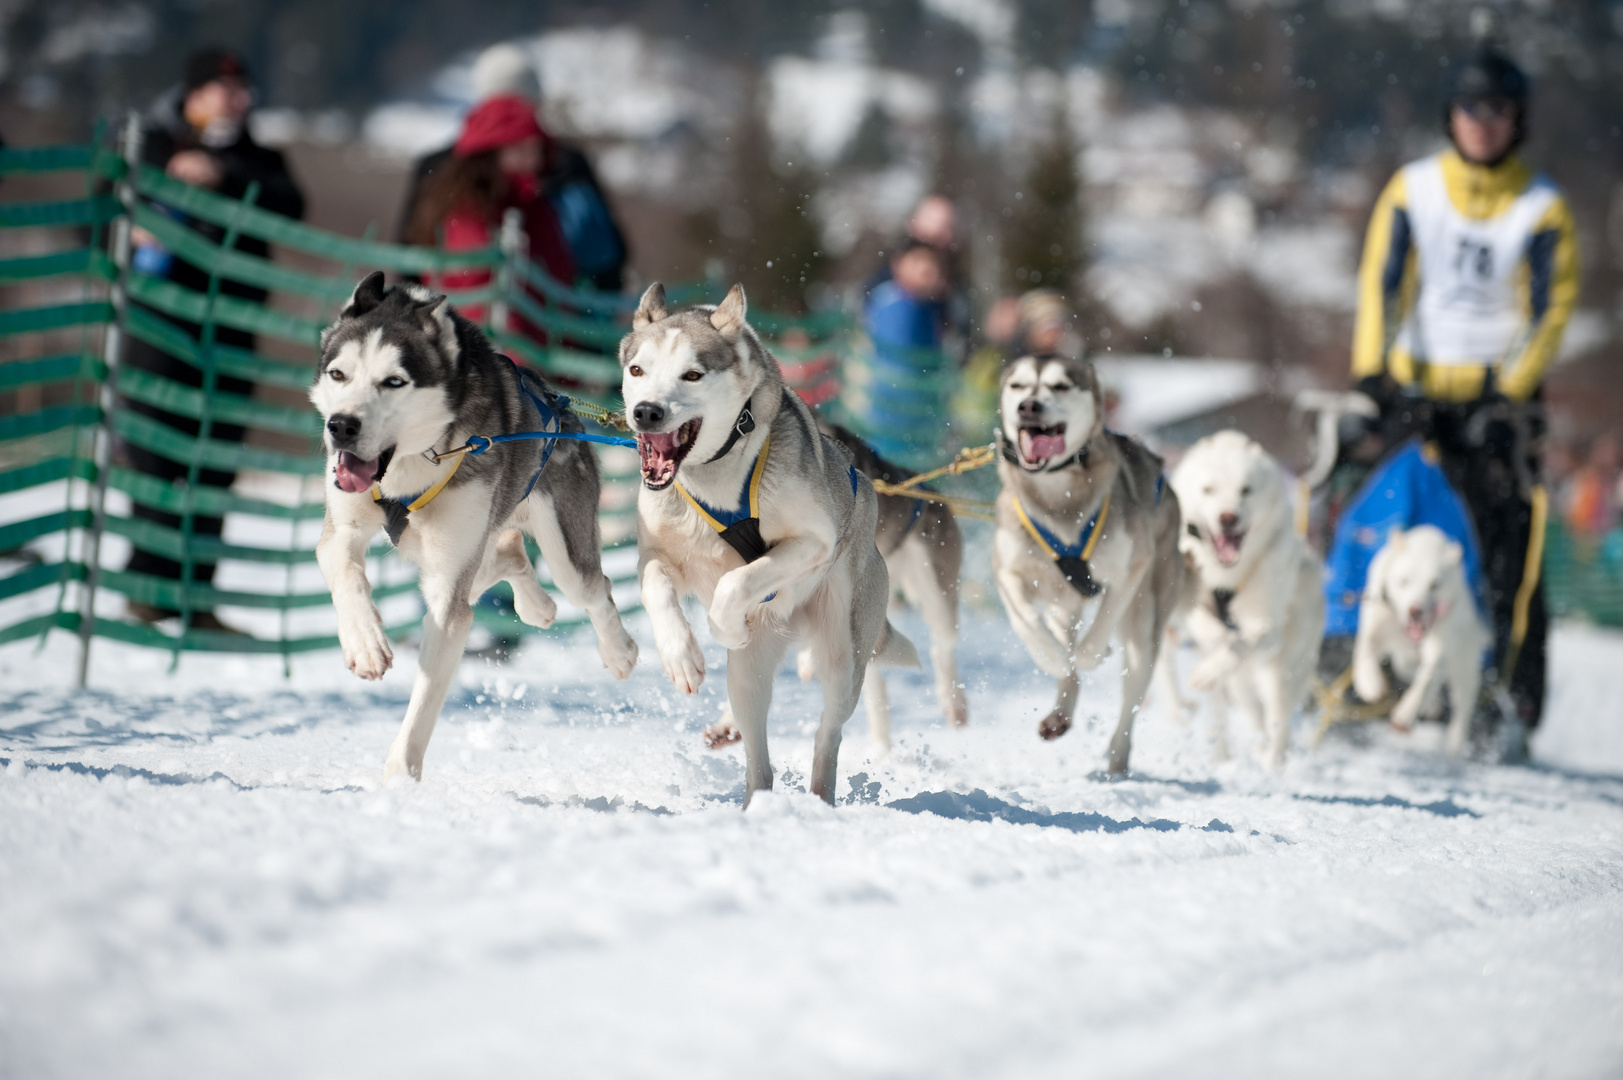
745, 505
402, 374
1253, 604
1083, 521
923, 551
1418, 615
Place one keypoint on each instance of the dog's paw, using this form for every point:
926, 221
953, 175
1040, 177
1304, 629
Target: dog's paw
619, 653
1213, 669
1405, 713
1054, 725
367, 651
536, 608
1368, 683
684, 664
723, 733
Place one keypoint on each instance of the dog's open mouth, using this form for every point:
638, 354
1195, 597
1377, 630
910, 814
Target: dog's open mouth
355, 475
662, 452
1227, 545
1040, 445
1417, 625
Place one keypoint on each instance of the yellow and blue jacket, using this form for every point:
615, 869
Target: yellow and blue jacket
1389, 280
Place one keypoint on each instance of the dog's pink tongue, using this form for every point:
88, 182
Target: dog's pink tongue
1226, 546
1041, 447
353, 474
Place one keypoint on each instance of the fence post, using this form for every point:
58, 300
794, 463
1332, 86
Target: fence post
129, 146
513, 245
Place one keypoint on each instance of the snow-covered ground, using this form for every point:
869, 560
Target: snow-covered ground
201, 875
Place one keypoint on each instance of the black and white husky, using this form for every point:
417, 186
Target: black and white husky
746, 505
402, 375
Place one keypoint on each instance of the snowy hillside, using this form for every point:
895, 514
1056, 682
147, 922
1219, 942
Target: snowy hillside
202, 875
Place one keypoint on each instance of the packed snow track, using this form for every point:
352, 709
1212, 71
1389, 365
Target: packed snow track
203, 874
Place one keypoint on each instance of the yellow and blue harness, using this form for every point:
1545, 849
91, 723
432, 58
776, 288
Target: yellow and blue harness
1072, 559
740, 528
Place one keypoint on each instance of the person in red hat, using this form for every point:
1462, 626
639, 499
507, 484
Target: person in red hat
494, 166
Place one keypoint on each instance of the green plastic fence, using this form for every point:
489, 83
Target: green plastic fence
66, 490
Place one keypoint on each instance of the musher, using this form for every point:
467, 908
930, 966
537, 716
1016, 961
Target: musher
1469, 274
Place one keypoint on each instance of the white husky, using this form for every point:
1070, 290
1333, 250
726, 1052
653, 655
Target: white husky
1254, 600
1419, 616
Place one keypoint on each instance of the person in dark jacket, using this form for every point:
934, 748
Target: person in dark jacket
198, 133
567, 181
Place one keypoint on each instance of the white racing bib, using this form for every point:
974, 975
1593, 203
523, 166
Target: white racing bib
1467, 311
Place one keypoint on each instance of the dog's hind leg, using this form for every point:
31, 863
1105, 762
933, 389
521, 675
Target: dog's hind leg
750, 671
570, 545
508, 561
877, 700
930, 579
1140, 638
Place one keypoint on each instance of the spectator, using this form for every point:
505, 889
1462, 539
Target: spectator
1592, 509
589, 228
198, 133
493, 168
935, 224
902, 312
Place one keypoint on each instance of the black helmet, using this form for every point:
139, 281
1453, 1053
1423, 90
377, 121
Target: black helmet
1488, 75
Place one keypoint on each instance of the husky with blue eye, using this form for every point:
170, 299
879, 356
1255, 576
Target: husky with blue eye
1086, 544
402, 376
746, 505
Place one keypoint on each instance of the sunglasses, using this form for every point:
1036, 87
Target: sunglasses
1486, 109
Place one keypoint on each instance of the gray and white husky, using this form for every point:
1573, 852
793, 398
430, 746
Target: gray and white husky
924, 552
400, 375
1084, 520
747, 506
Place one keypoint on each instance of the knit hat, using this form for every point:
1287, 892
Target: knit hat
207, 65
499, 122
505, 69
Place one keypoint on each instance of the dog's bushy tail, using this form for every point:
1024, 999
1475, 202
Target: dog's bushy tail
894, 650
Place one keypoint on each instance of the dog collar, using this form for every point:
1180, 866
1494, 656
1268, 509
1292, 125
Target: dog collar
1221, 599
397, 511
1012, 456
1072, 559
741, 427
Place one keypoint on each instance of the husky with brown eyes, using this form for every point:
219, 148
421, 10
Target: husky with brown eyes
1086, 545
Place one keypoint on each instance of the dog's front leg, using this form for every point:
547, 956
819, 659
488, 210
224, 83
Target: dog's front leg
750, 671
1407, 710
1140, 645
341, 554
1222, 651
741, 591
679, 652
447, 618
1375, 624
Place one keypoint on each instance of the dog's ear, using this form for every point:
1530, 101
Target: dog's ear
1453, 554
728, 318
651, 308
434, 315
367, 295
